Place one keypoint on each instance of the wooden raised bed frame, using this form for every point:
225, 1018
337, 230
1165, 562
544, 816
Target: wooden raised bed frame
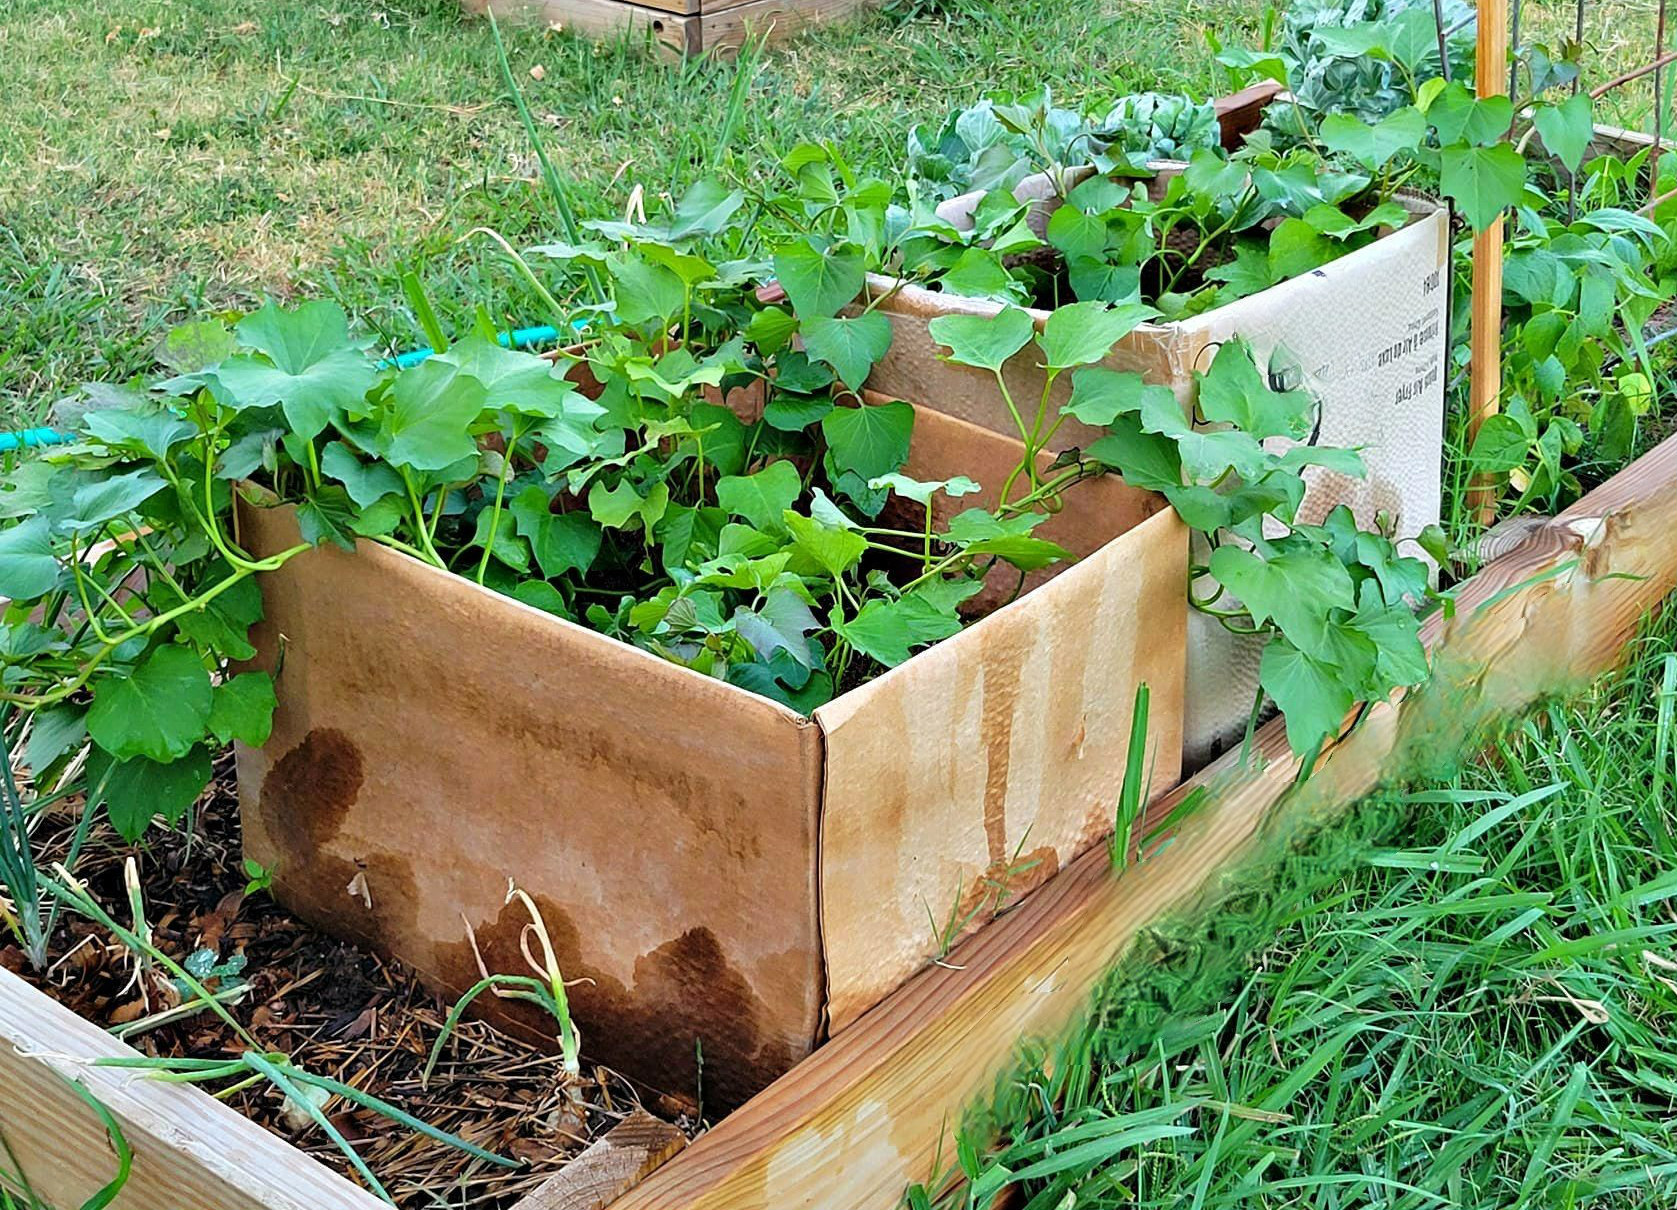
864, 1116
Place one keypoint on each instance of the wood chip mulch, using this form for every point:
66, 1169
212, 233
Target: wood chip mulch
334, 1008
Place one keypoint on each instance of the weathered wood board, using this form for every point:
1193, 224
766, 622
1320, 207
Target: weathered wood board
190, 1151
865, 1115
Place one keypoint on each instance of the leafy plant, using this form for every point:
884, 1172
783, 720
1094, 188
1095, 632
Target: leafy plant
1183, 241
1333, 602
1577, 379
1358, 59
999, 141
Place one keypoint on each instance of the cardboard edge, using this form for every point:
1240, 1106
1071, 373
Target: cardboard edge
921, 302
1072, 582
1427, 225
565, 630
797, 791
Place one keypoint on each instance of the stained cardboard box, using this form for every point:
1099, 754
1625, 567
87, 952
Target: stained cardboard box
715, 869
1367, 334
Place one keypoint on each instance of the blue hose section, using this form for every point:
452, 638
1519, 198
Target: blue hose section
518, 338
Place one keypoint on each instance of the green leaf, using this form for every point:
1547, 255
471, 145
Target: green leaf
561, 542
1082, 333
984, 341
978, 273
1309, 693
644, 293
1077, 235
310, 370
1371, 146
763, 498
1199, 507
793, 413
1399, 657
55, 732
1145, 460
151, 433
159, 711
28, 568
1296, 588
616, 507
1248, 273
521, 383
242, 708
434, 406
196, 344
851, 346
1295, 247
102, 500
138, 790
770, 329
835, 549
869, 440
1102, 281
704, 209
780, 624
365, 482
1501, 445
1482, 181
1567, 129
820, 282
497, 531
327, 515
223, 625
1331, 220
1099, 396
889, 631
1460, 117
979, 532
921, 491
539, 594
1234, 391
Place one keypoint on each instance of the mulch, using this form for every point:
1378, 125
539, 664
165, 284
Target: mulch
335, 1009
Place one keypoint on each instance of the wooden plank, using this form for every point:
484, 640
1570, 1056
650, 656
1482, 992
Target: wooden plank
1239, 113
865, 1115
190, 1150
727, 29
610, 1166
599, 18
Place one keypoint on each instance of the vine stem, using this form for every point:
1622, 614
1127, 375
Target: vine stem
429, 550
34, 701
495, 512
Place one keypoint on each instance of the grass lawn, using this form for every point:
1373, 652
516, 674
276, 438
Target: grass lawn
165, 157
1466, 996
1462, 996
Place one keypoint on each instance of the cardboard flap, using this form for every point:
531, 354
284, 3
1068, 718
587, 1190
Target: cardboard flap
972, 773
434, 740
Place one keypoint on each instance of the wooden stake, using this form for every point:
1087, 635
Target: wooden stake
1485, 382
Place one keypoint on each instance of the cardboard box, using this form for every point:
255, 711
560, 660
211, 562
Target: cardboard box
1366, 333
714, 868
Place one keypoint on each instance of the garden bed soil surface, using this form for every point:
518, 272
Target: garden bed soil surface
336, 1009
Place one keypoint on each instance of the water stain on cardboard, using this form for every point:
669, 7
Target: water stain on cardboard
310, 789
995, 729
686, 994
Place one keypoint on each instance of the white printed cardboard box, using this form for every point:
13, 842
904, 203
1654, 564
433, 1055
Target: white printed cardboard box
1365, 333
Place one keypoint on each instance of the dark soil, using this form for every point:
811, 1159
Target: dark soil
335, 1009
